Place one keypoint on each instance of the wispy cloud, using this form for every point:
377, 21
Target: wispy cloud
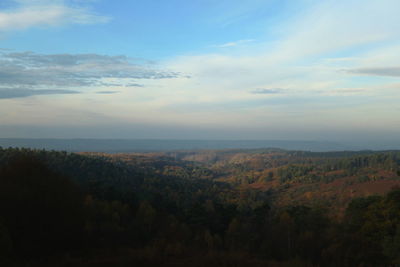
6, 93
27, 14
236, 43
134, 85
295, 66
267, 91
380, 71
107, 92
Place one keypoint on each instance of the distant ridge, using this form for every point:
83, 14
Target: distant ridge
148, 145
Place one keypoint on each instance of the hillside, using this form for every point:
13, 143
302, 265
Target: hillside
331, 179
263, 207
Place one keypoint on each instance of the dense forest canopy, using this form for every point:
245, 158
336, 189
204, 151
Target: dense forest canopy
218, 208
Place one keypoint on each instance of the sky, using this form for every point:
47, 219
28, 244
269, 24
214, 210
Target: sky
201, 69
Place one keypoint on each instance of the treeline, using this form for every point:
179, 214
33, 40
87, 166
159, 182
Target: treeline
112, 215
324, 171
261, 166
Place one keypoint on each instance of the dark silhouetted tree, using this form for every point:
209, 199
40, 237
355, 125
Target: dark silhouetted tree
42, 211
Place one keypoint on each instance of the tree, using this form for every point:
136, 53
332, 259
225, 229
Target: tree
146, 215
42, 210
5, 243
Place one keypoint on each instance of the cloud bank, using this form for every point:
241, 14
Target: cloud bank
39, 71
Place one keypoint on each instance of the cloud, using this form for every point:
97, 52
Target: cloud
388, 71
41, 71
134, 85
297, 58
294, 59
6, 93
113, 84
268, 91
236, 43
352, 24
293, 64
107, 92
27, 14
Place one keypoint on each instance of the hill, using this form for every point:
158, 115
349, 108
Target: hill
331, 179
154, 145
260, 207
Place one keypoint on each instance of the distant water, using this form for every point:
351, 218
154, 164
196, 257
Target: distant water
148, 145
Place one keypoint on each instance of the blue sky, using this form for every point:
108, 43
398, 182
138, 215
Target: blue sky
156, 29
298, 69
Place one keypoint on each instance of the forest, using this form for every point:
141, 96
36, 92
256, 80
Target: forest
262, 207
